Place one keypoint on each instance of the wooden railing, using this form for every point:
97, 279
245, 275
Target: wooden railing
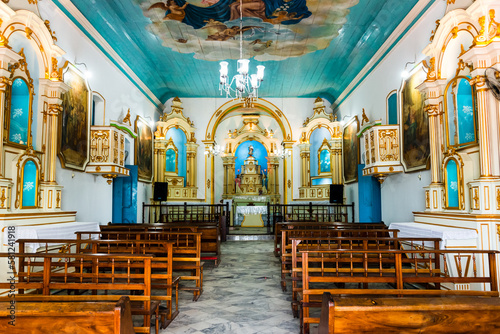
310, 212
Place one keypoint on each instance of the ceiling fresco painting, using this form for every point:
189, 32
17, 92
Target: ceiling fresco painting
310, 48
271, 29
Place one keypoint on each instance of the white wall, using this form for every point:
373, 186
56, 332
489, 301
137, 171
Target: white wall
90, 195
401, 193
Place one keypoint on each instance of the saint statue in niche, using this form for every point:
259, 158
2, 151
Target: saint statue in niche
250, 151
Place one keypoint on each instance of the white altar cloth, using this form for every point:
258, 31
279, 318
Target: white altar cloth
251, 210
50, 231
418, 230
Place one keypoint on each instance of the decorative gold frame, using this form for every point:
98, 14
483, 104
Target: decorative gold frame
474, 104
87, 116
324, 146
350, 139
29, 155
421, 120
171, 146
19, 71
451, 155
144, 143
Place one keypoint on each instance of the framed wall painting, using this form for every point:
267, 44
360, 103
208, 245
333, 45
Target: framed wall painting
414, 123
350, 147
74, 120
144, 149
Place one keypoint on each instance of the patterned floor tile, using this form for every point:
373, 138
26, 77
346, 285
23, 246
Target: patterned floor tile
241, 296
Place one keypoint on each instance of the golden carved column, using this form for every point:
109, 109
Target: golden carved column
433, 112
191, 153
288, 172
486, 134
160, 150
273, 179
229, 185
433, 90
304, 164
209, 171
51, 97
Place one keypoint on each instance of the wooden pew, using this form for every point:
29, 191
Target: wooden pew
287, 234
459, 314
60, 315
300, 243
186, 253
162, 277
419, 269
96, 274
315, 225
187, 248
210, 234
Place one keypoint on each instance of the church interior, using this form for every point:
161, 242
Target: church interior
256, 131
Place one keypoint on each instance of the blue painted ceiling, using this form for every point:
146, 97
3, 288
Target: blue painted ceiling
310, 48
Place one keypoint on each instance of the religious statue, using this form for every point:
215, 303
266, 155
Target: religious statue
250, 151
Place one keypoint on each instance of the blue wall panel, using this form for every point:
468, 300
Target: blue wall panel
369, 198
125, 197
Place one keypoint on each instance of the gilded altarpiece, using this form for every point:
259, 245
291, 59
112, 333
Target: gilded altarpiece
329, 155
464, 193
248, 179
166, 152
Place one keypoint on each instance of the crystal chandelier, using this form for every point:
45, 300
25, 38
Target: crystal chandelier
282, 152
242, 83
214, 151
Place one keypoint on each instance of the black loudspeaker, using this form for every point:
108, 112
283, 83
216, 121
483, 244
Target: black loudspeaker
160, 191
337, 193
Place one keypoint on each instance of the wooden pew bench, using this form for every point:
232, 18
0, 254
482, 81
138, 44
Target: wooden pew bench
162, 277
96, 275
186, 253
210, 234
187, 246
411, 273
299, 244
315, 225
58, 314
286, 234
459, 314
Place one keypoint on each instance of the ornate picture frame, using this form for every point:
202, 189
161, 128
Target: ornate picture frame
350, 148
414, 123
144, 149
74, 121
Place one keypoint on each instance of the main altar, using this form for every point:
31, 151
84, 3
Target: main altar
250, 211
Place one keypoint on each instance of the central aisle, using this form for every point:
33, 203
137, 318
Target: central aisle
242, 295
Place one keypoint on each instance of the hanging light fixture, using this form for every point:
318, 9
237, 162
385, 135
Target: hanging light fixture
242, 83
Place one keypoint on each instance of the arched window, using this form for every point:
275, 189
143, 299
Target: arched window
460, 112
18, 112
452, 184
29, 181
392, 108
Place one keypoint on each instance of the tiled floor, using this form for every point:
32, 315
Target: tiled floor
242, 295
